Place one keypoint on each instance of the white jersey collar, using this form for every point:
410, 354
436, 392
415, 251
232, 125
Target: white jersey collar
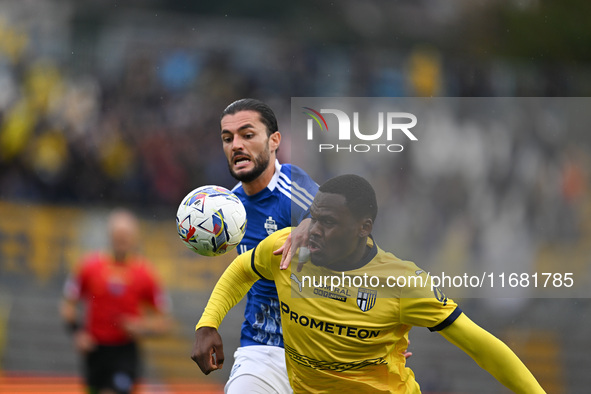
271, 186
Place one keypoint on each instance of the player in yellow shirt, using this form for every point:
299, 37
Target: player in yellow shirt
351, 337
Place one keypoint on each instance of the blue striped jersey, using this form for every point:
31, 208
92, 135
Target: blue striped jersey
283, 203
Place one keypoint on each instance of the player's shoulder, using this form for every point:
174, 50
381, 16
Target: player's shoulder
279, 235
389, 262
275, 240
296, 174
141, 264
90, 263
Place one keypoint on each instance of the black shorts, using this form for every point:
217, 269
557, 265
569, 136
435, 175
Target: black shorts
113, 367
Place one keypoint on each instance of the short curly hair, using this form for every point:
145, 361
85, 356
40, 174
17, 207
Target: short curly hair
359, 194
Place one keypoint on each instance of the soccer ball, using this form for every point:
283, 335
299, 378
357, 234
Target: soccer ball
211, 220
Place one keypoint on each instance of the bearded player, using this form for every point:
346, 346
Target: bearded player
275, 196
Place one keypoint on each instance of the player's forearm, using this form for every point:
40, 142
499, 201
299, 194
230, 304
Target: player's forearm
68, 310
492, 355
151, 324
500, 361
69, 314
229, 290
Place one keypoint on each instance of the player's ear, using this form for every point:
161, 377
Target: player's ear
366, 227
274, 141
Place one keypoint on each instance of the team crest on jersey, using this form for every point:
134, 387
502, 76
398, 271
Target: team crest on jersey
366, 298
270, 225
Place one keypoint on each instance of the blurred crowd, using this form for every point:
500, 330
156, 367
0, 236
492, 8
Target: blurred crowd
137, 138
491, 184
145, 130
492, 190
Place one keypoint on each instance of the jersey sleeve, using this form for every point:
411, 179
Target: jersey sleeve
263, 262
423, 305
228, 291
303, 190
492, 355
76, 283
239, 277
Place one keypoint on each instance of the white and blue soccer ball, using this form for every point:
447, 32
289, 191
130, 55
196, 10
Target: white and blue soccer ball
211, 220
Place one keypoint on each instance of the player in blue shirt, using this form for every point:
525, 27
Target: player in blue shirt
275, 196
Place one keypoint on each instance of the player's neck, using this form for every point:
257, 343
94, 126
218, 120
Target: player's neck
255, 186
355, 260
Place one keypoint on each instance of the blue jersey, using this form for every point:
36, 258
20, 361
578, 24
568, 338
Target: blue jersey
281, 204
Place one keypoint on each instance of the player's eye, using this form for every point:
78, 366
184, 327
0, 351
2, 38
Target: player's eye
326, 221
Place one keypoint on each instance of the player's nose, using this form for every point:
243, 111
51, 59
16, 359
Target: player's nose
237, 143
314, 231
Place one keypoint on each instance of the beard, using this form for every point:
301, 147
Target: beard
261, 163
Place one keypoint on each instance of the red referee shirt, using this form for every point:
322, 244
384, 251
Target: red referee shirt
114, 292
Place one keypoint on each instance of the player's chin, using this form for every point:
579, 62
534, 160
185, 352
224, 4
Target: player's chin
239, 171
242, 174
318, 258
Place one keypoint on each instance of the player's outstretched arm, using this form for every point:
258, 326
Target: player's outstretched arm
83, 341
491, 354
152, 323
296, 239
230, 289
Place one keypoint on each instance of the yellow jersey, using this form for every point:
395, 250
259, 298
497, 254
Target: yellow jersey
351, 337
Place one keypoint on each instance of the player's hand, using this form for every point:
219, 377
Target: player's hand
208, 350
133, 326
406, 353
296, 239
83, 341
